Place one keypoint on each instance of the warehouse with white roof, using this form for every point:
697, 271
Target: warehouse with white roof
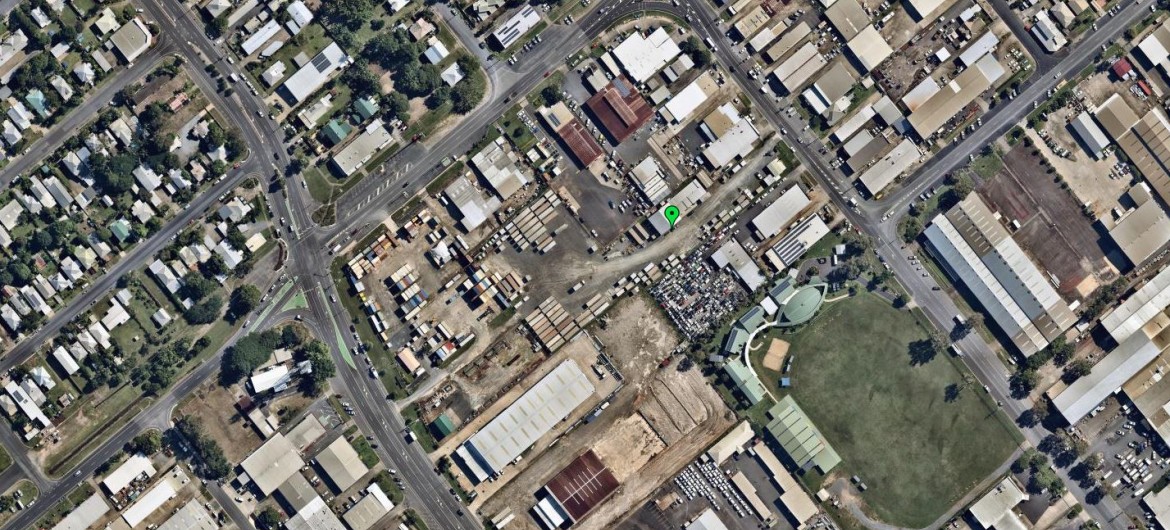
342, 464
130, 470
1107, 377
85, 514
1090, 135
1154, 49
522, 22
313, 76
869, 49
780, 213
531, 416
1144, 304
149, 502
272, 464
1142, 231
994, 510
687, 100
886, 170
796, 242
642, 57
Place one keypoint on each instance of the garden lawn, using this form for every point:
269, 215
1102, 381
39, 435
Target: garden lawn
890, 421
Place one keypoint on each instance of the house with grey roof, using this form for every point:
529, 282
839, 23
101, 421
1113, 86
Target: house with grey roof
147, 178
84, 73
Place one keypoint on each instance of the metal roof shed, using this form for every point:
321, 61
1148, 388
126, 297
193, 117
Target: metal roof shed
342, 464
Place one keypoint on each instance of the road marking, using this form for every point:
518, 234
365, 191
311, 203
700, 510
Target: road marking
337, 331
279, 295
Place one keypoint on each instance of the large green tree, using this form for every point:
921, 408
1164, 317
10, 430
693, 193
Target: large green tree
244, 299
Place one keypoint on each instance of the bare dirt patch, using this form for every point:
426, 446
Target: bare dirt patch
1092, 181
628, 445
636, 336
777, 352
215, 406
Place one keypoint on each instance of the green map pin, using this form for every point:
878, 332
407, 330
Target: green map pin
671, 213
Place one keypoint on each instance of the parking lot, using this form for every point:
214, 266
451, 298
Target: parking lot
703, 485
1134, 459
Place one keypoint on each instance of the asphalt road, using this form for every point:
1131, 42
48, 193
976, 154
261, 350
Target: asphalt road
381, 193
156, 416
980, 357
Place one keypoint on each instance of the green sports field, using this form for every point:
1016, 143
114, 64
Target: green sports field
891, 422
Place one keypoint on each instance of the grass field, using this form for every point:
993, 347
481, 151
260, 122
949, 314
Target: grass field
365, 452
99, 421
891, 421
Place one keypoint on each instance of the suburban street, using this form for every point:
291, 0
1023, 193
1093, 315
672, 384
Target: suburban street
409, 171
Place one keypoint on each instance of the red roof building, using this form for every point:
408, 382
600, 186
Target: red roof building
578, 488
572, 133
1122, 69
620, 109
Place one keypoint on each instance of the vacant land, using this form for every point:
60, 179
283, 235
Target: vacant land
215, 405
886, 417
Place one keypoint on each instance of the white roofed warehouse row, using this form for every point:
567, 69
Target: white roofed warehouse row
977, 250
531, 416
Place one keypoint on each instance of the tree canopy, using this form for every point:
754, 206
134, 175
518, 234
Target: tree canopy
206, 453
247, 355
113, 174
204, 312
244, 299
147, 443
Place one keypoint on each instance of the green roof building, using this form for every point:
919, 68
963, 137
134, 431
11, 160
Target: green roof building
802, 305
746, 380
735, 340
442, 426
752, 319
36, 100
335, 132
800, 439
365, 107
120, 229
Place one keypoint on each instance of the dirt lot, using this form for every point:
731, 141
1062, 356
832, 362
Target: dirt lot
628, 445
478, 382
1075, 257
216, 406
636, 337
1091, 180
581, 351
774, 358
713, 420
